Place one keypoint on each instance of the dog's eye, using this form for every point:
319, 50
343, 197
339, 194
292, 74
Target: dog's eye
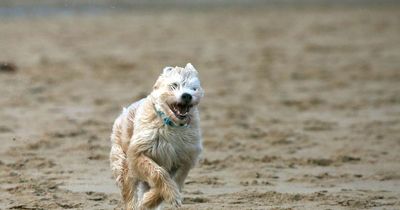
173, 86
194, 89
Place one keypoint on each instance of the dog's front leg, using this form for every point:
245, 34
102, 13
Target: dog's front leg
181, 174
162, 186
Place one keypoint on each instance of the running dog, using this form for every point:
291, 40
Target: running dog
157, 140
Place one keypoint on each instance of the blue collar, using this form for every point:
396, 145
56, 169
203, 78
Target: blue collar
167, 120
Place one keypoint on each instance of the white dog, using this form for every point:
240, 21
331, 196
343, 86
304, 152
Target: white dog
156, 141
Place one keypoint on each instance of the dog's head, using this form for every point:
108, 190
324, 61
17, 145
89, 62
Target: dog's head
177, 92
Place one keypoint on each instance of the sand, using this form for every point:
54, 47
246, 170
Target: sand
301, 107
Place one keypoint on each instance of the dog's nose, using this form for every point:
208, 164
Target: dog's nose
186, 98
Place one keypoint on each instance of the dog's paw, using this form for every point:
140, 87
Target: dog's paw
151, 199
177, 203
175, 199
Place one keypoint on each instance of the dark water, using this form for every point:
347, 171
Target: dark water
64, 7
46, 10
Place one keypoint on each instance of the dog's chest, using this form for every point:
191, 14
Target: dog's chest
172, 147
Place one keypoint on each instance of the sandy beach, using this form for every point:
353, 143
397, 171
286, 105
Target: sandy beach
301, 106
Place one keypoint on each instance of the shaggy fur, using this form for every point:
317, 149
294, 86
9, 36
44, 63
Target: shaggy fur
149, 158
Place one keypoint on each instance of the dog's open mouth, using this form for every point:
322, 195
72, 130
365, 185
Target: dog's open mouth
180, 110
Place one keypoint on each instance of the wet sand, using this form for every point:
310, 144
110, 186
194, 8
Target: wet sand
301, 111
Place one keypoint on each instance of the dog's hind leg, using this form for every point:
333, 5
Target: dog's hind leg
142, 188
128, 191
119, 166
117, 155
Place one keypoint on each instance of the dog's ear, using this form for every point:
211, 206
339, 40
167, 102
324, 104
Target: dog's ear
167, 69
190, 67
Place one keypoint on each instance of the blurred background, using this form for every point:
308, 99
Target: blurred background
301, 107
